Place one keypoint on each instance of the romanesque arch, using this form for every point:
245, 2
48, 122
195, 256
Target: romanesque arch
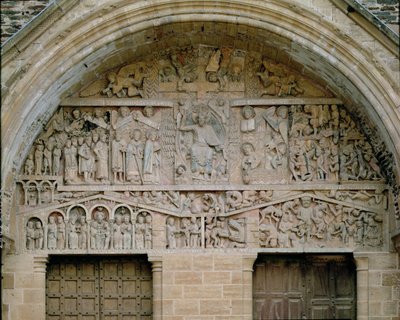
149, 129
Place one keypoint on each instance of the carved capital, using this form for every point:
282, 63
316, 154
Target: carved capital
156, 262
248, 261
362, 262
40, 263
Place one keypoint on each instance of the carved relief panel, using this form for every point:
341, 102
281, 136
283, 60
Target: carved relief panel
202, 148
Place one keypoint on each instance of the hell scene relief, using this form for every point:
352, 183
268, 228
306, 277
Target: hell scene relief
186, 155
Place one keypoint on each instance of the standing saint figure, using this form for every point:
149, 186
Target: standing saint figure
72, 232
118, 148
101, 151
151, 159
126, 230
171, 233
39, 159
38, 235
148, 233
52, 233
30, 235
140, 230
70, 162
56, 158
134, 158
60, 233
117, 232
85, 157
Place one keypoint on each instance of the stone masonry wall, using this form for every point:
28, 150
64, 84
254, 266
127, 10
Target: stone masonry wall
385, 10
16, 14
207, 286
384, 286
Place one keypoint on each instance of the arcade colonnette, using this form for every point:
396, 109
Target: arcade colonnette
195, 170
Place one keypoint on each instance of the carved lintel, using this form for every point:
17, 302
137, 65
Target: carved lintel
115, 102
284, 101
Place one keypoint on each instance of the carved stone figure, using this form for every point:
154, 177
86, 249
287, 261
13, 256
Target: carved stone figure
148, 234
185, 231
56, 158
70, 162
121, 120
148, 117
127, 82
73, 238
134, 158
248, 123
29, 165
117, 233
205, 144
99, 230
225, 233
171, 233
126, 230
185, 70
213, 71
39, 159
30, 235
98, 119
39, 235
118, 148
276, 81
101, 151
52, 233
76, 123
140, 231
167, 73
268, 235
60, 232
250, 161
276, 118
151, 158
85, 158
305, 214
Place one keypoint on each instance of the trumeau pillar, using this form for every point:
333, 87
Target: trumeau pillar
156, 265
362, 264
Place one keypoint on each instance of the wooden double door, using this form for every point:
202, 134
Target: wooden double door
304, 287
95, 288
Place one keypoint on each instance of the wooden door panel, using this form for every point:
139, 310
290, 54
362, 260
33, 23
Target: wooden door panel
296, 287
320, 312
295, 308
99, 288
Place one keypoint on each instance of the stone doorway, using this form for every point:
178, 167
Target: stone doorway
106, 288
304, 287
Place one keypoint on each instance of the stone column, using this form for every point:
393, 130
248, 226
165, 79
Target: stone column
156, 266
362, 265
39, 273
248, 263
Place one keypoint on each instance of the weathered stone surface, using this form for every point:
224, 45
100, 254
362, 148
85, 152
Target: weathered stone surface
201, 142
